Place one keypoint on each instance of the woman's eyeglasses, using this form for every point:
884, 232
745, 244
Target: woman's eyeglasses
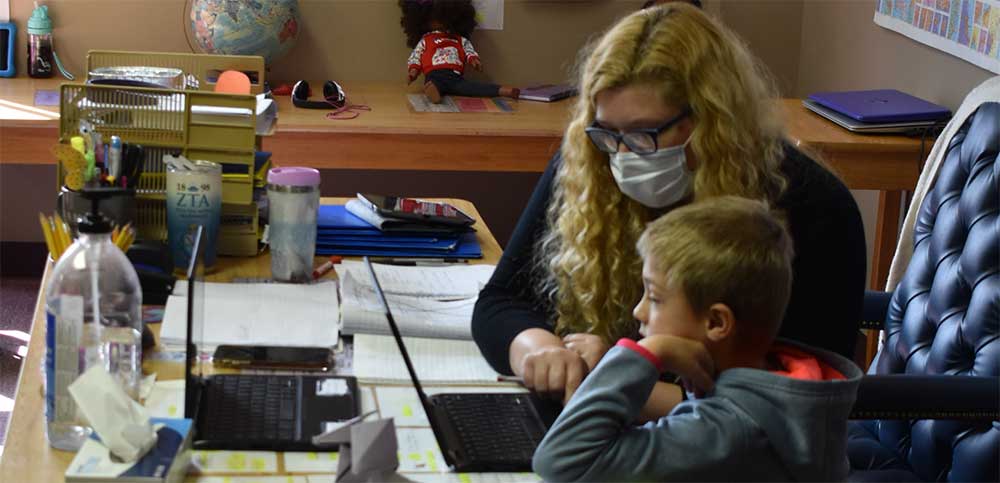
639, 141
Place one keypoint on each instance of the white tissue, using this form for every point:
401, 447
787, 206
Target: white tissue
121, 423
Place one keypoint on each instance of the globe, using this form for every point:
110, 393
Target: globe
245, 27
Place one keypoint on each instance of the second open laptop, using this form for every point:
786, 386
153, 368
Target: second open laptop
478, 432
255, 411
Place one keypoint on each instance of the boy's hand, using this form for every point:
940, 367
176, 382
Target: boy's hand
476, 64
411, 75
687, 358
590, 347
555, 372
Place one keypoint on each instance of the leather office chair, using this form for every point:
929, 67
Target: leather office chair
936, 377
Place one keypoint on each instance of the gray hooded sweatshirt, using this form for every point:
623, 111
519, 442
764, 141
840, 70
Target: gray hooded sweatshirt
755, 426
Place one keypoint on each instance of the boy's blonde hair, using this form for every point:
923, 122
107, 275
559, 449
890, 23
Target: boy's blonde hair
585, 259
728, 250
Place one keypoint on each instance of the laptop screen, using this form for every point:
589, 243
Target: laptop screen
195, 359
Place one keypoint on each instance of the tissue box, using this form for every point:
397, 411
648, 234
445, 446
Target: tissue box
167, 462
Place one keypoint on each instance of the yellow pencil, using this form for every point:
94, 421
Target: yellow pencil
62, 230
47, 231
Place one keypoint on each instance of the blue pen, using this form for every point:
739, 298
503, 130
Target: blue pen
114, 160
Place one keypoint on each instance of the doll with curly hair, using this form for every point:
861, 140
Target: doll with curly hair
438, 32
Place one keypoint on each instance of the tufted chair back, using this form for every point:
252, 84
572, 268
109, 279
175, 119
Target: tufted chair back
943, 317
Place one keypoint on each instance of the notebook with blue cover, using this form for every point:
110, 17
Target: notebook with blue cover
468, 247
881, 106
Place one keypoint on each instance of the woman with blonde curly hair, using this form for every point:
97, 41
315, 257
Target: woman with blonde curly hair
672, 108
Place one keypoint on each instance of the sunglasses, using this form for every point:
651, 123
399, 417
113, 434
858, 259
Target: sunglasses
639, 141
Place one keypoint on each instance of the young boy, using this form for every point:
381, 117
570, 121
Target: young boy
717, 277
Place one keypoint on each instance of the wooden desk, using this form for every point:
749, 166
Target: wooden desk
27, 455
389, 137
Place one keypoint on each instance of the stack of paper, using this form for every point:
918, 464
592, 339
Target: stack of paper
294, 315
432, 302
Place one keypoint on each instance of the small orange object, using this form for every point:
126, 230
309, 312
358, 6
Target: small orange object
233, 82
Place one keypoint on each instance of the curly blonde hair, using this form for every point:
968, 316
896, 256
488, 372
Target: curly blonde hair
586, 259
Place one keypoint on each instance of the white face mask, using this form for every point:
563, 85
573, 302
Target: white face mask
656, 180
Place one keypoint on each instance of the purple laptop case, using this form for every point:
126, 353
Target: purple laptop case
878, 106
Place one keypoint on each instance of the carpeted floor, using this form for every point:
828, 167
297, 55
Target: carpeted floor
17, 305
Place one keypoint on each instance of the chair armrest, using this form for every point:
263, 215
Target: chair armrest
902, 396
873, 311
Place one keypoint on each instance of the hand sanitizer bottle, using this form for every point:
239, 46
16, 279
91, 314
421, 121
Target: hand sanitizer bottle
93, 317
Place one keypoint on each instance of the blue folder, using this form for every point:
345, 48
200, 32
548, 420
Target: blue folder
341, 233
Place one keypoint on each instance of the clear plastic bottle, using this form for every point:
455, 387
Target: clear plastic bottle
94, 317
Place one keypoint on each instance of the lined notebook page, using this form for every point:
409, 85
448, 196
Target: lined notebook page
362, 313
447, 282
438, 361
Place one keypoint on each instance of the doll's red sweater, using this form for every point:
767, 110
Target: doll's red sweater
441, 50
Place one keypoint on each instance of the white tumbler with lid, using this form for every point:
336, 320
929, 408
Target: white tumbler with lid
293, 200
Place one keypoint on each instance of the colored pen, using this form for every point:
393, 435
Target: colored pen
115, 157
326, 267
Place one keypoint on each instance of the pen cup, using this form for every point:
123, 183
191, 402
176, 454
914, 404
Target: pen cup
194, 197
293, 200
118, 208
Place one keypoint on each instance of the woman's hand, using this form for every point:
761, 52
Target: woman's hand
555, 372
411, 75
476, 63
590, 347
687, 358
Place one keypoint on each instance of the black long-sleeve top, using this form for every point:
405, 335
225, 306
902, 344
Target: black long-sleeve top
828, 271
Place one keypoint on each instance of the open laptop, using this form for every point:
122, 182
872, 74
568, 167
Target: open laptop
252, 411
479, 432
880, 106
906, 128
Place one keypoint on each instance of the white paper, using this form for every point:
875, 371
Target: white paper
277, 314
489, 14
377, 358
454, 281
4, 10
363, 313
312, 462
166, 399
418, 451
402, 405
224, 461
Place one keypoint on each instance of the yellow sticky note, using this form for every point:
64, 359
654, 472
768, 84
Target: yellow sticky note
290, 479
258, 464
333, 456
431, 460
312, 456
407, 411
172, 410
236, 461
227, 480
415, 456
464, 478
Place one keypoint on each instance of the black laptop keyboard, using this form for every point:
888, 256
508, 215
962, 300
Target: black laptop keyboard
494, 427
249, 407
